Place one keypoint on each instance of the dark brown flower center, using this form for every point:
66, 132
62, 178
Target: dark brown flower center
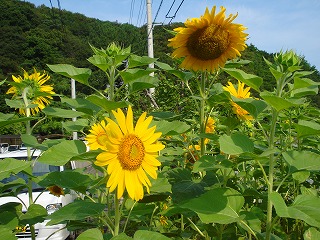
208, 43
131, 152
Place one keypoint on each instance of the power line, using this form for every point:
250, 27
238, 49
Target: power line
175, 14
131, 11
141, 9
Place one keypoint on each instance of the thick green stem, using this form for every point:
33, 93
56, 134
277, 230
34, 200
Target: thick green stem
112, 80
116, 215
202, 113
271, 173
28, 131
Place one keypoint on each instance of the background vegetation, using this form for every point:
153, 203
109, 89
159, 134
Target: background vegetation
35, 36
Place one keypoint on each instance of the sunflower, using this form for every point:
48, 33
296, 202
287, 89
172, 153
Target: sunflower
98, 137
36, 92
243, 93
130, 153
210, 125
209, 41
56, 190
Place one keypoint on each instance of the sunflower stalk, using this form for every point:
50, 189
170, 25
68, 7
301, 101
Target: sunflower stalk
28, 131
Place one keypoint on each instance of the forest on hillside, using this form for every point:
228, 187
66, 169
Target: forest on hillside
32, 37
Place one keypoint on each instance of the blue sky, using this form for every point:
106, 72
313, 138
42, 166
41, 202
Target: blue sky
273, 25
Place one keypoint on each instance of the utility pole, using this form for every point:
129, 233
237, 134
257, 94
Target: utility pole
150, 47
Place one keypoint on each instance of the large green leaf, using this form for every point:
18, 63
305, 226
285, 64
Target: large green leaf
121, 236
304, 207
311, 234
304, 86
61, 153
106, 104
75, 126
137, 61
78, 210
147, 235
10, 166
92, 234
183, 186
251, 80
307, 128
31, 141
279, 103
8, 119
63, 113
171, 128
143, 83
35, 213
219, 205
79, 74
235, 144
253, 106
302, 160
100, 62
7, 233
66, 179
131, 75
81, 105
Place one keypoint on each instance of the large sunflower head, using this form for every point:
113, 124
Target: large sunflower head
240, 92
131, 153
97, 137
209, 41
32, 86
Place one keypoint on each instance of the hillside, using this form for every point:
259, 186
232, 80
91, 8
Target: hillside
35, 36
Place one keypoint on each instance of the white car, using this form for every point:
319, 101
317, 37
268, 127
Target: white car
47, 200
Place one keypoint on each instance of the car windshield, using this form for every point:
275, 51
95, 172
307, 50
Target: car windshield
39, 169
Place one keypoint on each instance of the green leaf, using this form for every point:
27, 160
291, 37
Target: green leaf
87, 156
61, 153
75, 126
304, 207
131, 75
9, 219
226, 207
35, 213
92, 234
301, 176
311, 234
251, 80
79, 74
81, 105
8, 119
63, 113
143, 83
183, 186
307, 128
184, 76
78, 210
31, 141
121, 236
100, 62
66, 179
279, 103
163, 66
147, 235
15, 103
303, 87
137, 61
105, 103
235, 144
205, 163
10, 166
6, 233
171, 128
253, 106
302, 160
